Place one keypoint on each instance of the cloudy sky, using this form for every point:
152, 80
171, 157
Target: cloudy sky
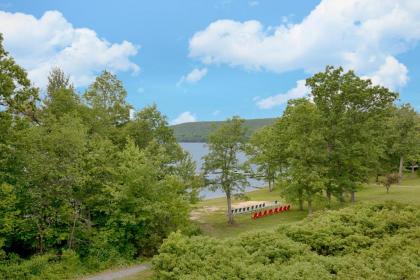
209, 60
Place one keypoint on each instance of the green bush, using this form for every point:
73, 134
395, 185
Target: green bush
371, 241
47, 266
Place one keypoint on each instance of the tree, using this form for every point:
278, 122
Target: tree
17, 95
221, 165
53, 174
352, 111
405, 132
261, 151
186, 172
149, 125
107, 97
306, 152
390, 179
58, 80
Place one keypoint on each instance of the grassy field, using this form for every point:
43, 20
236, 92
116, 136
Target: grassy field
212, 217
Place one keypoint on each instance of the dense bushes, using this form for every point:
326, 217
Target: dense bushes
371, 241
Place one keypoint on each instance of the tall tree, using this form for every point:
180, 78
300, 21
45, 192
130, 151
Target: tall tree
107, 97
261, 152
306, 152
149, 125
405, 132
351, 111
57, 80
222, 167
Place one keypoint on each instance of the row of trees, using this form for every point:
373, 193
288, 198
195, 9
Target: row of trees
346, 132
77, 173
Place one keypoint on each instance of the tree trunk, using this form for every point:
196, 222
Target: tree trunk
269, 185
387, 189
73, 228
400, 172
353, 196
341, 197
300, 204
229, 206
412, 169
309, 207
328, 196
377, 179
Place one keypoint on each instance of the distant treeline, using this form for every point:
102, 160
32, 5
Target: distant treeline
199, 131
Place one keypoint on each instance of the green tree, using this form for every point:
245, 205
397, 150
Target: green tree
58, 80
389, 180
54, 161
150, 128
405, 132
306, 152
16, 92
352, 111
261, 151
107, 97
221, 165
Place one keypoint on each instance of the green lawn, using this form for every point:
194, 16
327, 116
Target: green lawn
213, 222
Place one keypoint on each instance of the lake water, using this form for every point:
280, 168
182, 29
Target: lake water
197, 151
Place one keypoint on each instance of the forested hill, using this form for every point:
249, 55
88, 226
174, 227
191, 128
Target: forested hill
198, 131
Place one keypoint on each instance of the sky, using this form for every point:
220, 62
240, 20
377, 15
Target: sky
209, 60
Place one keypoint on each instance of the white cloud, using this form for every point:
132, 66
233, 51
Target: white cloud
194, 76
391, 74
299, 91
184, 118
216, 113
40, 44
360, 35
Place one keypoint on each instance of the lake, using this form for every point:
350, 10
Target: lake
197, 151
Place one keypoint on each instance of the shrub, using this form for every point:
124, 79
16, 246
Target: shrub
370, 241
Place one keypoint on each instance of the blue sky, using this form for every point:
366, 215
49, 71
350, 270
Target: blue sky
209, 60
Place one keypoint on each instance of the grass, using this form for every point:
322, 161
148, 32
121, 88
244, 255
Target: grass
213, 223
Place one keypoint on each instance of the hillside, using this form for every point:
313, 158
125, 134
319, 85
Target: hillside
198, 131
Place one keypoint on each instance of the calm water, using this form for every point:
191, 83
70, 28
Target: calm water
197, 151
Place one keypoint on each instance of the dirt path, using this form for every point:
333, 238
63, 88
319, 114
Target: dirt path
120, 273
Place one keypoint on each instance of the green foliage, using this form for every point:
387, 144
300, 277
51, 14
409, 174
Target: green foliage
352, 111
80, 189
199, 131
333, 143
58, 80
263, 152
47, 266
221, 165
371, 241
390, 179
16, 93
306, 152
404, 134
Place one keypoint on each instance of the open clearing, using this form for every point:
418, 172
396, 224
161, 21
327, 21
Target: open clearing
213, 223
